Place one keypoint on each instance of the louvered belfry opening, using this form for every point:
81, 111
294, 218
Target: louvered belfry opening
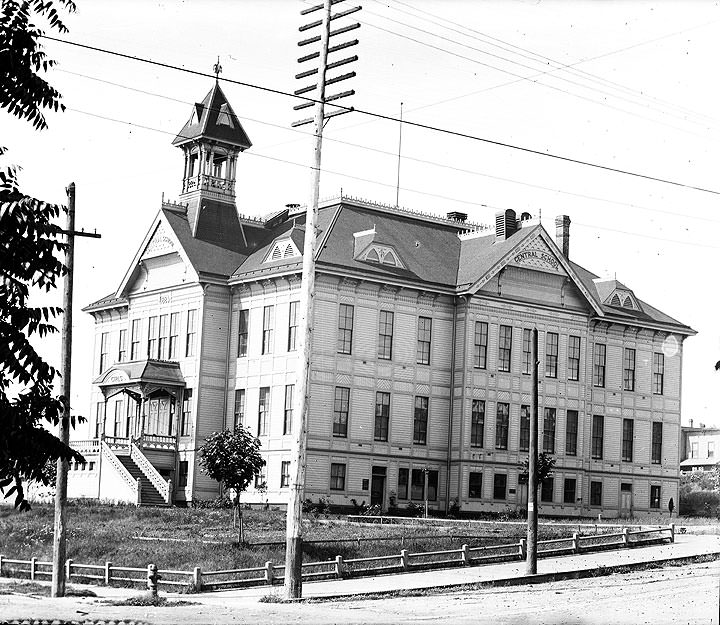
505, 224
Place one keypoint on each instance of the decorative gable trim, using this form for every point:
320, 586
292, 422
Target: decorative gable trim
620, 298
281, 250
381, 254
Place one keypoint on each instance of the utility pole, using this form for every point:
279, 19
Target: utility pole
293, 546
59, 539
532, 522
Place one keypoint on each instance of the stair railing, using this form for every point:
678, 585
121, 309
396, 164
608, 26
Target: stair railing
152, 474
107, 455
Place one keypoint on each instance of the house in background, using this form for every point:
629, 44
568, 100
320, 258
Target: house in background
420, 368
699, 448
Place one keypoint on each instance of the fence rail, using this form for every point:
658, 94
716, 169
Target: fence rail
339, 567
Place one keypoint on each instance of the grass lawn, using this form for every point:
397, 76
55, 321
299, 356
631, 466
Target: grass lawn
204, 537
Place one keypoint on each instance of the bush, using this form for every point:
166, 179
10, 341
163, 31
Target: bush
219, 503
700, 503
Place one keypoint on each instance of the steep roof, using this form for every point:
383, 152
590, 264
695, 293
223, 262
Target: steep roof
214, 118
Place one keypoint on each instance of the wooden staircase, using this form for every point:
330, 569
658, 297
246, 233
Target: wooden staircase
150, 495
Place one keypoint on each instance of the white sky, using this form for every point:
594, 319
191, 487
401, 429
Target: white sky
642, 95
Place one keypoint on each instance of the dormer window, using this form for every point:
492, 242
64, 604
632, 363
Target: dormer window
281, 250
623, 299
383, 255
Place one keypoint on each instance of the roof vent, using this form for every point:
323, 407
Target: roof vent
505, 224
457, 216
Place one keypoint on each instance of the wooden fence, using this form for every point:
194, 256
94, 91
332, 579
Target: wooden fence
339, 568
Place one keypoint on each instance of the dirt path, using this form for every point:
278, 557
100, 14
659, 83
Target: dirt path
688, 594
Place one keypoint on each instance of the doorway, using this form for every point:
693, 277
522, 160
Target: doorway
377, 486
625, 500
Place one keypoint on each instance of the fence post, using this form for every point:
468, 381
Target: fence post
197, 579
139, 492
672, 537
625, 537
339, 567
152, 579
523, 548
269, 573
1, 563
68, 568
404, 560
169, 491
575, 543
108, 566
465, 554
33, 564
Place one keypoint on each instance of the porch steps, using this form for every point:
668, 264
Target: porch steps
150, 495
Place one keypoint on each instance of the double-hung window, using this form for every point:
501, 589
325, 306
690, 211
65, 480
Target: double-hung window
122, 346
292, 327
571, 433
345, 329
598, 427
239, 412
527, 362
337, 476
658, 373
599, 365
340, 411
268, 323
174, 330
629, 369
420, 421
549, 431
263, 410
502, 424
481, 344
657, 436
243, 327
573, 358
382, 415
477, 431
504, 348
288, 416
524, 428
385, 335
152, 337
135, 339
191, 330
551, 354
424, 337
627, 440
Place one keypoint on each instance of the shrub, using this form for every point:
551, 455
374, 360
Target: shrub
700, 503
219, 503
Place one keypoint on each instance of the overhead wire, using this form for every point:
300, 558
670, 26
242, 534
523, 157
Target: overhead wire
406, 157
446, 131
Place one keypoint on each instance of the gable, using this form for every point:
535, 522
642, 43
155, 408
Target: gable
536, 254
161, 242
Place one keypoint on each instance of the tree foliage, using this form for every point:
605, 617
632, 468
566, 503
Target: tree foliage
232, 458
545, 469
30, 246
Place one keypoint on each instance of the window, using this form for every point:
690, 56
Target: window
267, 335
549, 431
574, 358
629, 369
711, 449
654, 496
694, 450
551, 354
599, 365
285, 474
191, 330
292, 327
596, 493
182, 473
657, 431
163, 338
481, 343
424, 336
598, 426
186, 412
99, 418
104, 346
263, 410
385, 335
403, 478
627, 440
243, 327
475, 486
420, 421
571, 433
261, 478
499, 485
337, 476
122, 346
135, 339
417, 486
546, 489
288, 417
382, 415
239, 411
501, 426
174, 329
432, 485
117, 422
340, 411
569, 490
527, 362
524, 428
345, 329
152, 337
504, 348
658, 373
477, 428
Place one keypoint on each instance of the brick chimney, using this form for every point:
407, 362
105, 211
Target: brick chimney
562, 234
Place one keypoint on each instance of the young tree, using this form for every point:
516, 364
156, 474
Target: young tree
233, 459
29, 244
545, 469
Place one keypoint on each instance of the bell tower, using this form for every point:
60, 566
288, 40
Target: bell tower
211, 141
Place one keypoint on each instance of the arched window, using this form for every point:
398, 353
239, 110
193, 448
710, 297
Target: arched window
615, 301
373, 256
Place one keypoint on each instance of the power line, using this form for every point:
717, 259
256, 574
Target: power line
446, 131
392, 185
410, 158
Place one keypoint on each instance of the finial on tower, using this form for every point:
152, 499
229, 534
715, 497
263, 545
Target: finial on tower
217, 68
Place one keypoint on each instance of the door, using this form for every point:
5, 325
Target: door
625, 500
377, 486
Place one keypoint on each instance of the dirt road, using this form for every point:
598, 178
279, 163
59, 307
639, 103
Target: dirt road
688, 595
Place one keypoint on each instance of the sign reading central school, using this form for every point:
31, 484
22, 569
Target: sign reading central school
535, 256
